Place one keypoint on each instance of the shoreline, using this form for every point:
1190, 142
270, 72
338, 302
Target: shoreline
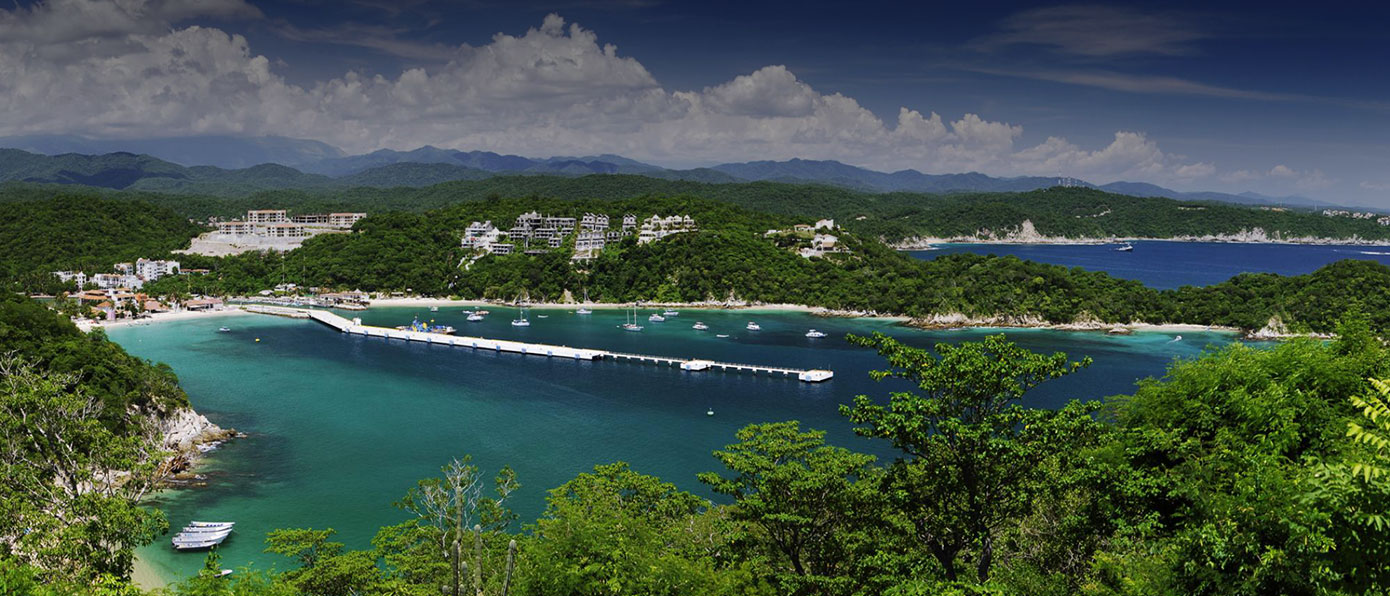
1025, 233
161, 317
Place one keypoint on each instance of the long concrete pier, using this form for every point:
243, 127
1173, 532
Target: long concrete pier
355, 327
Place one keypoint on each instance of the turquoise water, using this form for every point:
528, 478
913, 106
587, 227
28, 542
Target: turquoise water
339, 426
1167, 265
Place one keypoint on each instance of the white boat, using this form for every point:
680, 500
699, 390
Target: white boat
751, 326
813, 333
223, 329
1126, 247
582, 310
722, 335
522, 322
670, 313
631, 324
709, 412
198, 544
224, 573
542, 316
203, 524
656, 318
434, 309
474, 317
700, 326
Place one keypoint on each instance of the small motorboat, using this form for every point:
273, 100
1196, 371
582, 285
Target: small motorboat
521, 323
670, 313
751, 326
815, 334
1126, 247
474, 317
200, 535
656, 318
434, 309
583, 311
722, 335
224, 329
699, 326
223, 573
709, 412
542, 316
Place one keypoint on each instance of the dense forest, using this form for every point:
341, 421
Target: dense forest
78, 449
1245, 471
1066, 212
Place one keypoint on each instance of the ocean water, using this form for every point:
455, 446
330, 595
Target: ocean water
1167, 265
339, 427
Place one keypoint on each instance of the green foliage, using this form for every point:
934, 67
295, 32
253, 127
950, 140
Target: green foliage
811, 507
972, 453
614, 532
73, 232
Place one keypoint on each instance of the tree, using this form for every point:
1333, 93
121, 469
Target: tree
972, 451
615, 532
456, 515
324, 569
809, 504
71, 483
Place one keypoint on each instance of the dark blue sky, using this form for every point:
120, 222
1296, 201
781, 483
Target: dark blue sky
1283, 98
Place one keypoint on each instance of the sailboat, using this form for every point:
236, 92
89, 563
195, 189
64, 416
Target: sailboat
583, 310
523, 321
631, 324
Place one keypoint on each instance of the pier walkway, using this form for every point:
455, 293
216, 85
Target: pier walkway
355, 327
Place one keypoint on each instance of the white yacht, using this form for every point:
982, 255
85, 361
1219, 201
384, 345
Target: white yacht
751, 326
474, 317
699, 326
631, 324
523, 321
670, 313
815, 334
434, 309
656, 318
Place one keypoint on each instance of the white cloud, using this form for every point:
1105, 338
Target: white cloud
1282, 171
1375, 186
1096, 30
553, 90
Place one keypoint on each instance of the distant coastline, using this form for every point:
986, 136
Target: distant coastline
1026, 233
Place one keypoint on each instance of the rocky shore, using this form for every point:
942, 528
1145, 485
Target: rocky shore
187, 435
1027, 233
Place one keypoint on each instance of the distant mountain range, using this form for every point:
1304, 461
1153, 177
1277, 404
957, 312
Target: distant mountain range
242, 165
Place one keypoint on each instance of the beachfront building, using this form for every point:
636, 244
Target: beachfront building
152, 270
266, 216
111, 281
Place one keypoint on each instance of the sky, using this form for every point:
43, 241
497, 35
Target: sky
1277, 98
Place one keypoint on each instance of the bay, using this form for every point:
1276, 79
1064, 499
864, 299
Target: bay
1168, 265
339, 427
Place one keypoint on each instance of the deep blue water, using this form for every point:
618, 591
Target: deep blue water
341, 426
1167, 265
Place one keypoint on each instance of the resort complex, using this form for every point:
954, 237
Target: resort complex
534, 233
270, 229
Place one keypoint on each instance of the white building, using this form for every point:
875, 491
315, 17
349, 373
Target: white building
266, 216
657, 227
592, 221
825, 224
285, 230
344, 220
151, 270
235, 228
110, 281
480, 235
77, 277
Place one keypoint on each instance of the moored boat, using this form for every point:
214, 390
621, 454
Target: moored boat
656, 318
699, 326
815, 334
751, 326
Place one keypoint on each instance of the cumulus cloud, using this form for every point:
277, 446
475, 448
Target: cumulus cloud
552, 90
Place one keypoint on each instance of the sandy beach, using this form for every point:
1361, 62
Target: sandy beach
163, 317
145, 577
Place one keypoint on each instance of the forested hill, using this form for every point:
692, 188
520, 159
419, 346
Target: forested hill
85, 232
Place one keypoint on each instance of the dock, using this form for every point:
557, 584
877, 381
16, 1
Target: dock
355, 327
